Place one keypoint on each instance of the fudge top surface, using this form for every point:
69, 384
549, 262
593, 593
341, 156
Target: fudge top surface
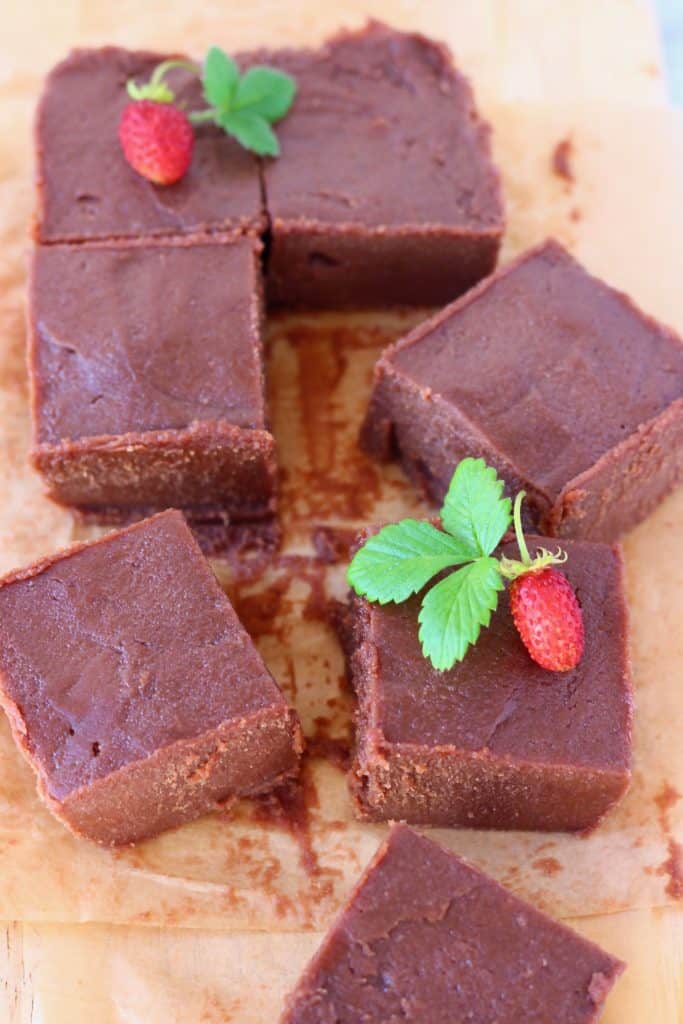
121, 647
425, 937
551, 364
383, 133
86, 188
145, 338
498, 699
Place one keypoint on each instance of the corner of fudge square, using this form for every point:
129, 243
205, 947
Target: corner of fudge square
425, 937
133, 690
497, 741
86, 190
147, 377
556, 379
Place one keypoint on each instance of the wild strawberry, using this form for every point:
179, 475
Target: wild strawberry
157, 140
544, 607
548, 618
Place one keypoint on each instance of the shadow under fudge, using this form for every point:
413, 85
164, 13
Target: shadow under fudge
131, 314
132, 688
496, 741
557, 380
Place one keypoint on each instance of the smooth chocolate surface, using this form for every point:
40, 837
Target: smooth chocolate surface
86, 190
133, 689
147, 376
557, 380
426, 938
385, 192
496, 741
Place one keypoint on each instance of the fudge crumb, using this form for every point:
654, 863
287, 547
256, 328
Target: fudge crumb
562, 160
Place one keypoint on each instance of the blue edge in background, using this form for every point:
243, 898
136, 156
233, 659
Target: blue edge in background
670, 16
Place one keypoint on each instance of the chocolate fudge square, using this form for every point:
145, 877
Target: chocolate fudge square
86, 190
496, 741
146, 366
385, 192
133, 690
426, 938
554, 378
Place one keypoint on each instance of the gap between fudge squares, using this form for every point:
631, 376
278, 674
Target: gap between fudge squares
327, 257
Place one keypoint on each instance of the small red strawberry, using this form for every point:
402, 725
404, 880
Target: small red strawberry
548, 618
157, 140
544, 607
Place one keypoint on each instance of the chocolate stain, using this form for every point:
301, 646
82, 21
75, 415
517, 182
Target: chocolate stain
672, 867
289, 808
333, 544
562, 160
548, 866
333, 479
259, 611
322, 743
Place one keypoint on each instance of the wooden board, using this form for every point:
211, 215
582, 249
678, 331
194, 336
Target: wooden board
542, 71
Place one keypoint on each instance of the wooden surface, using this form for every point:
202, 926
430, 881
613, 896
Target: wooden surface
548, 62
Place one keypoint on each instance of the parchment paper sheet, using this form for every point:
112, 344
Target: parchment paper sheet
228, 879
154, 976
252, 873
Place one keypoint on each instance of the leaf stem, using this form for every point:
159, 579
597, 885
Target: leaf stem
168, 65
519, 533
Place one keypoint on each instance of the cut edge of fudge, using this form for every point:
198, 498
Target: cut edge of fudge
78, 473
197, 793
254, 224
580, 509
200, 468
382, 767
401, 840
190, 766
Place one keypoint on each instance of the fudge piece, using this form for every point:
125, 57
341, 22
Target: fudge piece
146, 366
385, 192
554, 378
496, 741
424, 937
86, 190
132, 688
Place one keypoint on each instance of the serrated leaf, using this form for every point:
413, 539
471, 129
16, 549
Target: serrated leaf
251, 130
265, 91
454, 611
400, 559
220, 80
474, 510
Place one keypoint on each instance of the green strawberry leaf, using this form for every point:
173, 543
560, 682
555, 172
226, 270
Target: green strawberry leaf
474, 511
220, 80
251, 130
454, 611
265, 91
400, 559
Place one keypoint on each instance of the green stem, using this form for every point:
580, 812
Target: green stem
168, 65
200, 116
517, 517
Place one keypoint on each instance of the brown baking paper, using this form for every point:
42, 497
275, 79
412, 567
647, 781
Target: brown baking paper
285, 865
155, 976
